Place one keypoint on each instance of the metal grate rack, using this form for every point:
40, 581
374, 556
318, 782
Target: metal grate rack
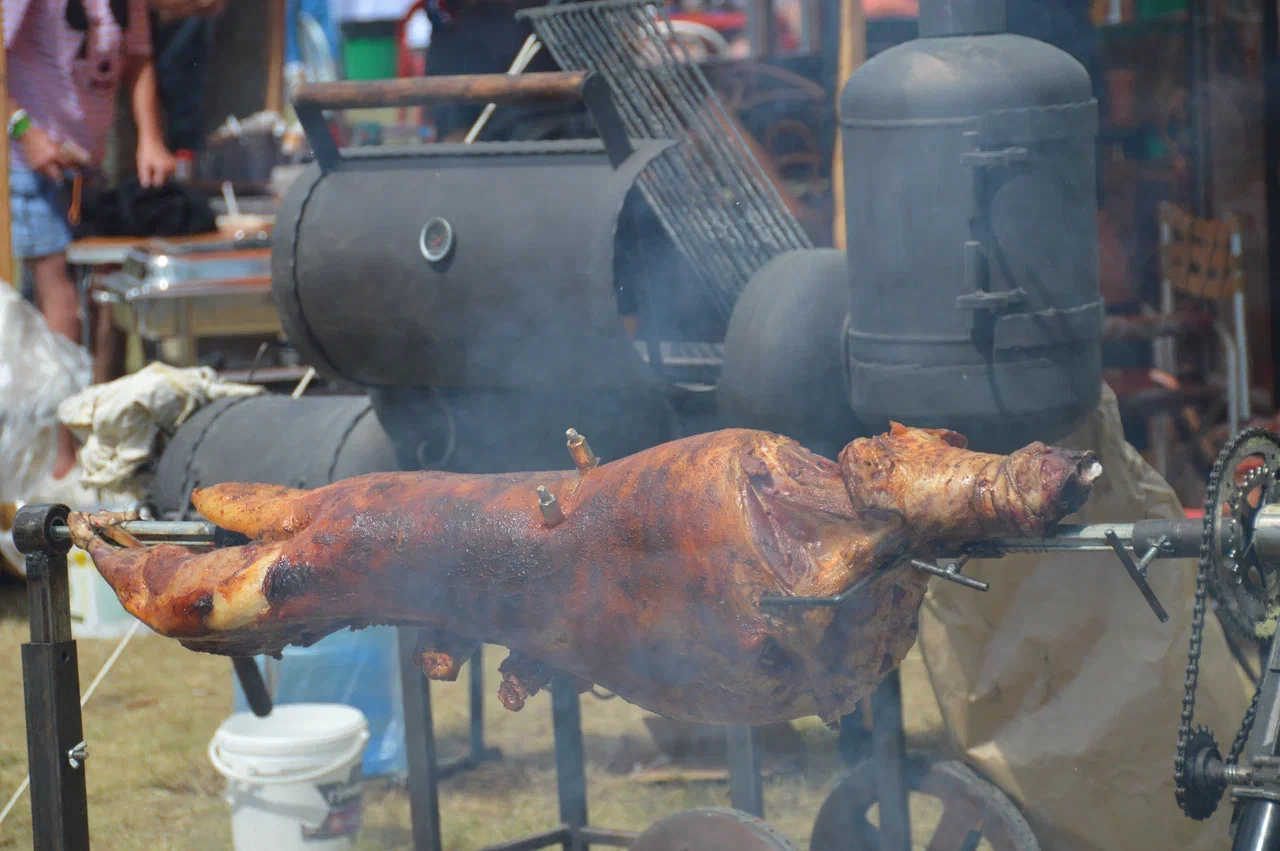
709, 192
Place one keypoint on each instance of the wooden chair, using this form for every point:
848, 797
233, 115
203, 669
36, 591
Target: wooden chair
1201, 275
1199, 385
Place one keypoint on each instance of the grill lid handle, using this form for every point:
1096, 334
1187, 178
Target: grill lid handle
552, 87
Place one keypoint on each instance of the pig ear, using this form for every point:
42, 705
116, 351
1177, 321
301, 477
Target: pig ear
946, 435
951, 438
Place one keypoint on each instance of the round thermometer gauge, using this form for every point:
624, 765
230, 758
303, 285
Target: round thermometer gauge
436, 240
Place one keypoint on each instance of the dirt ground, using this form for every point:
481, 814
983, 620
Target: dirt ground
151, 786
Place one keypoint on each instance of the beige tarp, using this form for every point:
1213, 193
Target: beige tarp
1063, 687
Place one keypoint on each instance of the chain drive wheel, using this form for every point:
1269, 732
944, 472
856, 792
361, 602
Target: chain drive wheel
1222, 551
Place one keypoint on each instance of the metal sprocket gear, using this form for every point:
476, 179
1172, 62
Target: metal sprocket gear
1247, 590
1199, 797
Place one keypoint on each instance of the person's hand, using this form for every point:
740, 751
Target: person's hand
155, 163
45, 156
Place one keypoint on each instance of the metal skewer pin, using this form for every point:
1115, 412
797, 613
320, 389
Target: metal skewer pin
191, 533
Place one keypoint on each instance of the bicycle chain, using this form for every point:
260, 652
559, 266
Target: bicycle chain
1246, 727
1251, 479
1207, 537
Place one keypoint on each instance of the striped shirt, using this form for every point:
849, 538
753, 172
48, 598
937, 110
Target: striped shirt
66, 62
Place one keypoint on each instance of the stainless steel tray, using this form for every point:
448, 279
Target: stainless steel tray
191, 309
160, 266
209, 289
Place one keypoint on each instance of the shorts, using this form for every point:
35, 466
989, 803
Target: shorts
40, 225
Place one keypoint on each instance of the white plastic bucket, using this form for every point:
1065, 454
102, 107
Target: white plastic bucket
294, 780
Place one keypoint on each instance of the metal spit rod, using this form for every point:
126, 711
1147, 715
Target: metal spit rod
158, 532
1154, 538
1183, 537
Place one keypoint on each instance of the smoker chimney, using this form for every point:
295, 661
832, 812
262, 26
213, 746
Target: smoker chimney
940, 18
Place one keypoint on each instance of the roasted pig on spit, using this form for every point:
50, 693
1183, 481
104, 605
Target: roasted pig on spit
643, 575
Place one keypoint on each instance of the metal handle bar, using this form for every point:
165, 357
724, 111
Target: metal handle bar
557, 87
551, 87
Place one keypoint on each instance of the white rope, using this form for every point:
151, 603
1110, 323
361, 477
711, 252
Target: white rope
88, 693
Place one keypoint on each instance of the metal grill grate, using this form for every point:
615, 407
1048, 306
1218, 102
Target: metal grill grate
709, 192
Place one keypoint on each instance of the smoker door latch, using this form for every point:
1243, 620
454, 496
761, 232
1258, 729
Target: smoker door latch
995, 302
994, 158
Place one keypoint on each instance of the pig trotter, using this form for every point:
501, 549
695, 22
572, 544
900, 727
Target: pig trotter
441, 656
831, 709
84, 527
522, 678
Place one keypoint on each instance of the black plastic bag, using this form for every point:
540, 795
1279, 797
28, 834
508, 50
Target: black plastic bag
130, 210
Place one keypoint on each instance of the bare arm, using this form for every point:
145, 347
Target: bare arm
145, 99
155, 163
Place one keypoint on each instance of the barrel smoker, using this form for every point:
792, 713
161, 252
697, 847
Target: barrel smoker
489, 296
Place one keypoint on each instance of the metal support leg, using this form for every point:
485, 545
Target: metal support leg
889, 749
571, 777
56, 750
420, 748
477, 702
746, 789
1164, 357
477, 753
84, 290
1258, 828
1256, 825
854, 737
573, 833
1242, 350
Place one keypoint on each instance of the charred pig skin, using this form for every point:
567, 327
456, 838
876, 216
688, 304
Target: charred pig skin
649, 586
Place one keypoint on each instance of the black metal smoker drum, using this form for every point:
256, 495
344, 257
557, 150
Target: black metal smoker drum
972, 232
485, 266
302, 443
782, 367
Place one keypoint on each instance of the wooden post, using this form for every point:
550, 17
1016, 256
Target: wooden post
6, 235
276, 11
853, 52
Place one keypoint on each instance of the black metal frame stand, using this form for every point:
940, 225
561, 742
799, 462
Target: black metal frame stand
574, 833
56, 750
889, 750
746, 783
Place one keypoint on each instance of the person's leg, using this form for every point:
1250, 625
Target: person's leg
40, 236
56, 297
56, 294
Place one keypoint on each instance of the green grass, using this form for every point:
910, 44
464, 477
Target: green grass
151, 786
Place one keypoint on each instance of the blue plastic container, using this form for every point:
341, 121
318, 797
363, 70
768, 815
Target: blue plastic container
359, 669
